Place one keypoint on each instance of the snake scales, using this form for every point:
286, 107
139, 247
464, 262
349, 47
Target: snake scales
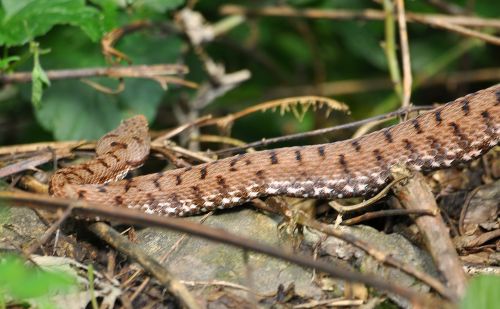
458, 131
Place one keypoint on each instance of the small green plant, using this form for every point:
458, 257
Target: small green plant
483, 293
21, 282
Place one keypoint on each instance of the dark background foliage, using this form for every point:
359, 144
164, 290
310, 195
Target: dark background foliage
283, 55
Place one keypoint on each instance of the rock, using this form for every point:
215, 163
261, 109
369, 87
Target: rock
202, 260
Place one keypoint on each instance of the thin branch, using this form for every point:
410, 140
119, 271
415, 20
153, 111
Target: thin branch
388, 213
342, 209
369, 14
171, 133
452, 23
226, 284
405, 52
38, 158
383, 257
51, 230
464, 210
134, 71
416, 194
207, 138
355, 86
285, 138
109, 40
12, 150
458, 29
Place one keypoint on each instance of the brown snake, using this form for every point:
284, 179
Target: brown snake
458, 131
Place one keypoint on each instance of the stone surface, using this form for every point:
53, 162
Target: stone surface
20, 227
202, 260
197, 259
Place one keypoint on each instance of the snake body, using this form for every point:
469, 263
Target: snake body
458, 131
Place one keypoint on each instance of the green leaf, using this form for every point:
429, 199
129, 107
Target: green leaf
109, 11
20, 281
74, 110
483, 292
159, 6
38, 76
5, 63
22, 21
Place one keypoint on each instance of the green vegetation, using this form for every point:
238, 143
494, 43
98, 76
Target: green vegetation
282, 53
20, 283
482, 293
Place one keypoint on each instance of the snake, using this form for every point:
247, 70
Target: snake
456, 132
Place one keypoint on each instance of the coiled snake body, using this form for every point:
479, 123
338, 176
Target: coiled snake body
458, 131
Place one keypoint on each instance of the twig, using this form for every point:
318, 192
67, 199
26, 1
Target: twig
387, 213
206, 138
54, 227
119, 242
110, 39
458, 29
475, 242
133, 71
346, 209
171, 157
330, 303
373, 84
24, 148
405, 52
452, 23
131, 216
227, 285
285, 138
342, 14
367, 127
385, 258
30, 163
464, 209
208, 92
183, 151
162, 138
416, 194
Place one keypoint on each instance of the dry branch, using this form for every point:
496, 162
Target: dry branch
342, 14
452, 23
416, 194
134, 71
